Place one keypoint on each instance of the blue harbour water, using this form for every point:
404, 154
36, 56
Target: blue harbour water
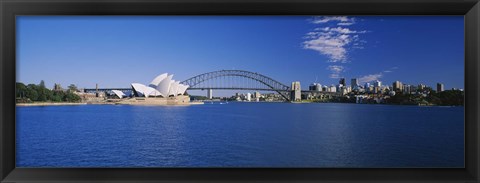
240, 134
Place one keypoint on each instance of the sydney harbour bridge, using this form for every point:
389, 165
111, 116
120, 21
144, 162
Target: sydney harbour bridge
226, 80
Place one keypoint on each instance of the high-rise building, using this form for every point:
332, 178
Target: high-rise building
342, 82
354, 83
296, 91
407, 89
249, 96
367, 85
257, 96
325, 88
397, 86
333, 89
210, 94
421, 86
440, 87
339, 88
377, 83
315, 87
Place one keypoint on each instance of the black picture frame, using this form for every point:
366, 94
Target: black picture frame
9, 9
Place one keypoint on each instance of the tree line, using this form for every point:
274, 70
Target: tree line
444, 98
39, 93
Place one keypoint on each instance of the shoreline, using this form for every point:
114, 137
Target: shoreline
96, 103
196, 103
49, 104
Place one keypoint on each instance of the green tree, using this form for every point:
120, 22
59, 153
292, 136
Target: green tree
20, 90
71, 97
58, 96
31, 92
72, 88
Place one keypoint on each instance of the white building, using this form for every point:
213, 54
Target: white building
210, 94
249, 97
161, 86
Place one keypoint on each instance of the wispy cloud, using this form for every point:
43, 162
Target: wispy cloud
374, 77
335, 71
370, 78
342, 20
334, 42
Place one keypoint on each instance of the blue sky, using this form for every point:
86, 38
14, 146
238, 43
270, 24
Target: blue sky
115, 51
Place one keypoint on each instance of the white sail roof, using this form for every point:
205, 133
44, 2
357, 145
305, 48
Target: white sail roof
157, 80
164, 86
171, 91
119, 93
181, 89
139, 88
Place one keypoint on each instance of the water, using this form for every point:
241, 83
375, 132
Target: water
240, 135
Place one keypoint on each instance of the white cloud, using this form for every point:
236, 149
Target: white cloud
333, 42
341, 19
370, 78
374, 77
336, 68
335, 71
345, 23
334, 76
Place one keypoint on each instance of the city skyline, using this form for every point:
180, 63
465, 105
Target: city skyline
105, 50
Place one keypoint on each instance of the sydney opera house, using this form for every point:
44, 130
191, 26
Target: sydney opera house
162, 90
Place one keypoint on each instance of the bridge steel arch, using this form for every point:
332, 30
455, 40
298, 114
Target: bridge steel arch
271, 84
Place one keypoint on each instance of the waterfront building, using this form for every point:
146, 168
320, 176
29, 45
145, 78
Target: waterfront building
210, 94
421, 86
339, 88
367, 87
407, 89
349, 89
440, 87
354, 83
257, 96
249, 97
413, 89
343, 91
315, 87
397, 86
325, 88
333, 89
161, 86
119, 94
296, 93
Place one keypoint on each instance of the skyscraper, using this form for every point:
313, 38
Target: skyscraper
377, 83
440, 87
296, 91
354, 83
421, 86
397, 86
315, 87
342, 82
209, 93
249, 97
